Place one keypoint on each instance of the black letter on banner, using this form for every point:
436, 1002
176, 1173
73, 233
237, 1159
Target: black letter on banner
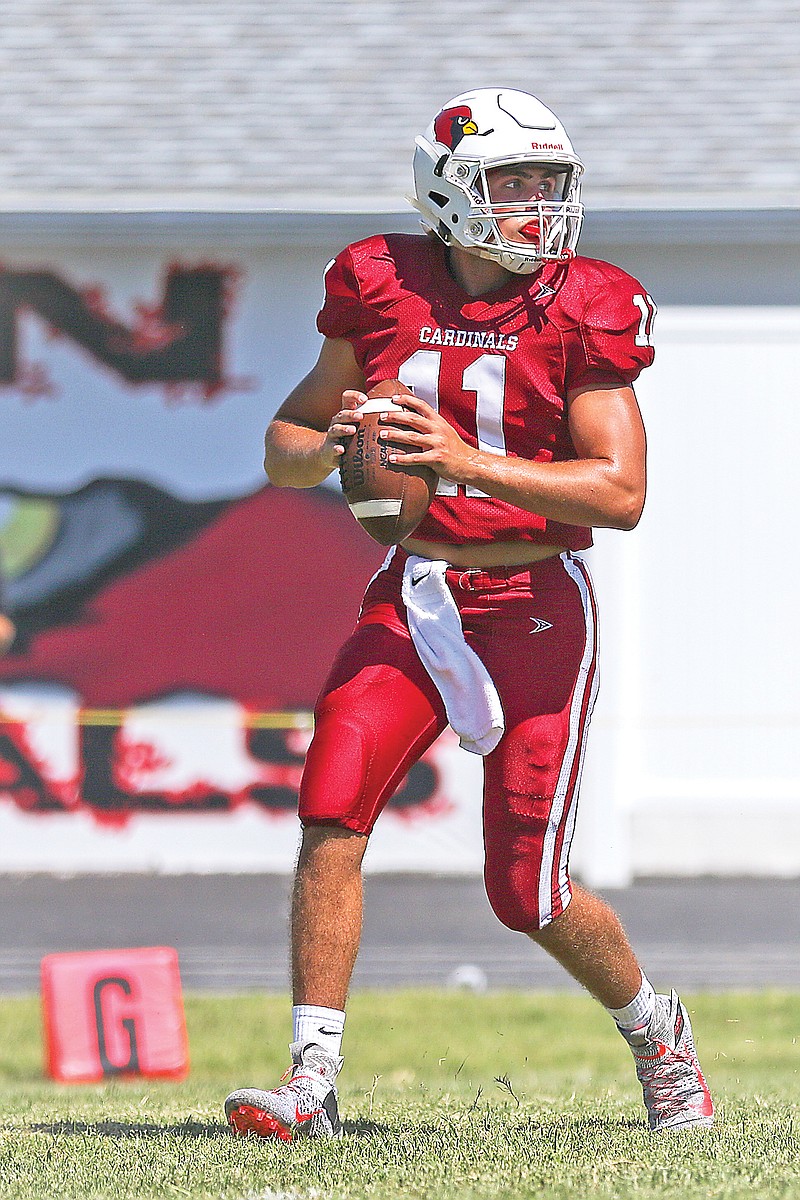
128, 1024
186, 349
23, 782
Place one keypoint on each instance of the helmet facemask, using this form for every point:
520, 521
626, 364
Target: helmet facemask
551, 222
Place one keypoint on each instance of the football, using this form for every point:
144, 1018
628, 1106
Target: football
387, 500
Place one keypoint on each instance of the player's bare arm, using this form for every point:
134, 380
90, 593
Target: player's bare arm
304, 440
603, 487
7, 632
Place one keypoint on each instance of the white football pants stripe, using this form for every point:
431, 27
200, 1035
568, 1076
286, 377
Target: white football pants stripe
554, 874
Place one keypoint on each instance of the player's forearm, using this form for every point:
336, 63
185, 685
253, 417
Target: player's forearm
294, 455
594, 492
7, 632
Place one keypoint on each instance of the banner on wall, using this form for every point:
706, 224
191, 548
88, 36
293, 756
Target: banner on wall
175, 615
193, 783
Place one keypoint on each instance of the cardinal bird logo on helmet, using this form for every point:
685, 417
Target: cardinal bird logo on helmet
453, 124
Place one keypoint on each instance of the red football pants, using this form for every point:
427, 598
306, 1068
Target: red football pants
535, 630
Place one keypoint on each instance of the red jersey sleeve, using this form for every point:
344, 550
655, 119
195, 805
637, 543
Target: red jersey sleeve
342, 313
614, 342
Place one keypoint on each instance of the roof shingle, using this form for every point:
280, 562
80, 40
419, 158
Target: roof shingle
193, 103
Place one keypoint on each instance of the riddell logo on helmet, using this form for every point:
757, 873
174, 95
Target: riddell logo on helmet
547, 145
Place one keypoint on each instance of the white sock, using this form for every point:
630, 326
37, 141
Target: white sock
637, 1014
323, 1026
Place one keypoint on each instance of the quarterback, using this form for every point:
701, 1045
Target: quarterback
521, 356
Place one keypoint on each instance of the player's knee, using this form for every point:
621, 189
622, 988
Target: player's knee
514, 905
330, 850
519, 909
322, 835
517, 895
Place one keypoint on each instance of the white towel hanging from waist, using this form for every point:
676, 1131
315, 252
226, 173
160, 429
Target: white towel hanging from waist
470, 697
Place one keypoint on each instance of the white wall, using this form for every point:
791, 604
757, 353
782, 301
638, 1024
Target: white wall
699, 722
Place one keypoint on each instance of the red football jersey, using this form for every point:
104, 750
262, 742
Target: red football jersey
498, 367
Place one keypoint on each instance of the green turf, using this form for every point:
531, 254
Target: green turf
424, 1113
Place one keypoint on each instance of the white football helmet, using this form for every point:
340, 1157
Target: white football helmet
494, 127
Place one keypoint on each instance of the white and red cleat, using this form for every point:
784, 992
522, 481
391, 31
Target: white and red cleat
305, 1105
675, 1093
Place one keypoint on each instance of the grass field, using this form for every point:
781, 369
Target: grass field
425, 1115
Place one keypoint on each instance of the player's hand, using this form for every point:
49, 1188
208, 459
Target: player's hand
430, 440
343, 425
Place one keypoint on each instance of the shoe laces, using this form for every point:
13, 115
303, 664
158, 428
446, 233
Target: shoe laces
294, 1075
311, 1066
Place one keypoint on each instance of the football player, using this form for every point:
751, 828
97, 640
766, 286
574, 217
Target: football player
522, 357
